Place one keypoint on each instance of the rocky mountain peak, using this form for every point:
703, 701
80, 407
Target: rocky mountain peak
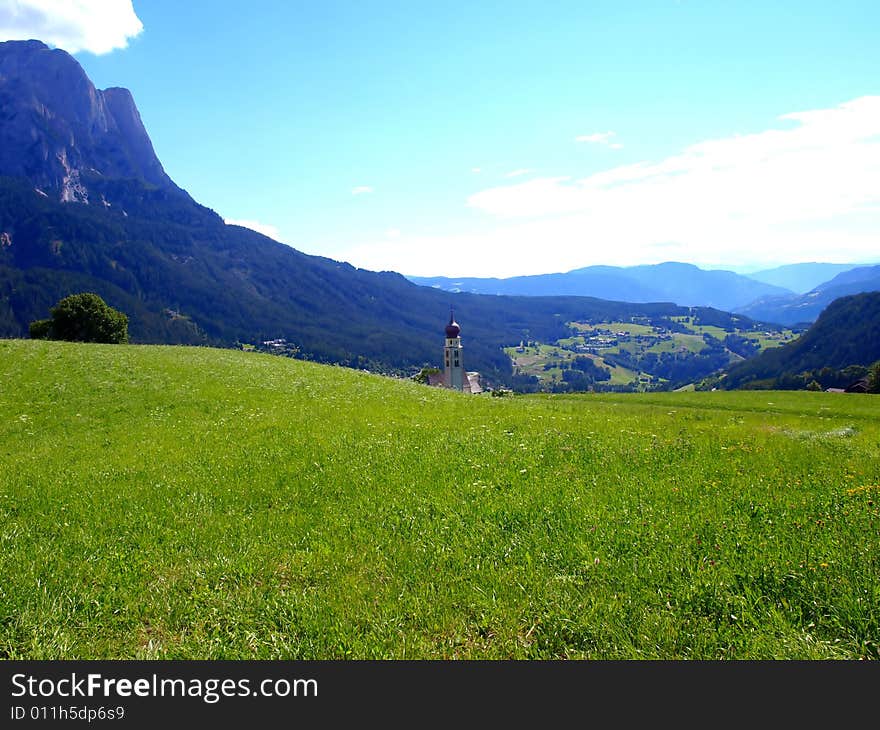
61, 133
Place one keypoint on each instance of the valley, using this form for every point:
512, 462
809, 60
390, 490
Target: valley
642, 354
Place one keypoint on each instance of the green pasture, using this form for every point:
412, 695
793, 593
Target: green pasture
193, 503
627, 328
533, 360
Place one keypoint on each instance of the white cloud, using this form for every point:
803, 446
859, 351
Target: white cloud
361, 190
603, 138
518, 173
595, 138
829, 164
97, 26
476, 169
806, 192
267, 229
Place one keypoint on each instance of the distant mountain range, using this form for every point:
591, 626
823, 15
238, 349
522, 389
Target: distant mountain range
681, 283
796, 309
840, 345
801, 278
788, 295
85, 205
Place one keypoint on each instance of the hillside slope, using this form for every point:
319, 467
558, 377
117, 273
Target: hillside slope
803, 277
846, 334
792, 310
195, 503
184, 276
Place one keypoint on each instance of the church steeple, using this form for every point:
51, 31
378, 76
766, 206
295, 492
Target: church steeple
453, 361
452, 329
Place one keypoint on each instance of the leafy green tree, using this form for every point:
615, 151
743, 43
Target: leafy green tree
874, 378
39, 329
423, 375
83, 318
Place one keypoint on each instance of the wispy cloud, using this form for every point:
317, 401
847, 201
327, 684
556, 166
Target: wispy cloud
97, 26
518, 173
826, 165
807, 191
267, 229
476, 169
603, 138
362, 190
595, 138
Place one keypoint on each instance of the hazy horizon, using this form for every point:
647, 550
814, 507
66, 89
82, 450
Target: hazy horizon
744, 270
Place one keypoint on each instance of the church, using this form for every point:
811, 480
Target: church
454, 375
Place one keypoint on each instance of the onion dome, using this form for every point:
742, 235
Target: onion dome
452, 329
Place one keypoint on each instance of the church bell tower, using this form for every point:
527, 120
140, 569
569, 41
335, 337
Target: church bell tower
453, 364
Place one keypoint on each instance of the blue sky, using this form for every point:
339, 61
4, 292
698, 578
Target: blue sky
489, 138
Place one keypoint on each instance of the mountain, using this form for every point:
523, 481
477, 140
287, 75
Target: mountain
845, 337
182, 275
801, 278
63, 134
85, 205
801, 309
683, 284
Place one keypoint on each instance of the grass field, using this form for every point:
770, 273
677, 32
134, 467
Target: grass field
160, 502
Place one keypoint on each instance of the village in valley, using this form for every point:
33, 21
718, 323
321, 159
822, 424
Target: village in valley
644, 353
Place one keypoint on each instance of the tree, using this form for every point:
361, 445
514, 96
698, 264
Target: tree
874, 378
82, 318
424, 374
39, 329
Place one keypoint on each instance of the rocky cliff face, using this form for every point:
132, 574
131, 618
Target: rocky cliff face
64, 135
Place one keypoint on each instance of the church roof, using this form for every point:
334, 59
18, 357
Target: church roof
452, 329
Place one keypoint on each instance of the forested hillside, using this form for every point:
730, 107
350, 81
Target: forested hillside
836, 350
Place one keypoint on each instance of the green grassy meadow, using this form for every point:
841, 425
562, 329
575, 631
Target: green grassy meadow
169, 502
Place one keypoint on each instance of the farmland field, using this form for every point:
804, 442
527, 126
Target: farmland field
169, 502
679, 338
